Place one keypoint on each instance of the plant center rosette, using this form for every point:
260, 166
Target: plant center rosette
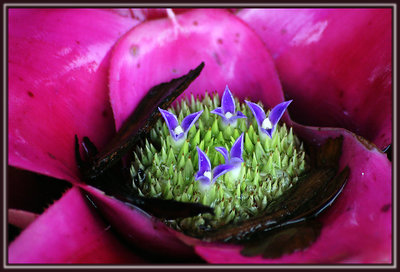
204, 151
218, 170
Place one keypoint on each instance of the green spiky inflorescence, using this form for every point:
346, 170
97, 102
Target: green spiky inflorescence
270, 167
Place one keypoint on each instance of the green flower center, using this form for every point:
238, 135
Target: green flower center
165, 170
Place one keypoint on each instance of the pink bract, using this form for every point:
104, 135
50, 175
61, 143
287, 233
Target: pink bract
160, 50
58, 64
70, 231
335, 63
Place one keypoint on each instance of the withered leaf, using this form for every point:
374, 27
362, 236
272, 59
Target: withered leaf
140, 122
283, 240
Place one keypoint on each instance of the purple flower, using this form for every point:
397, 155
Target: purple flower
227, 110
267, 125
235, 156
205, 175
234, 159
179, 132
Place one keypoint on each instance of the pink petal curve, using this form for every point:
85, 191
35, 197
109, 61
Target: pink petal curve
70, 231
58, 64
335, 64
20, 218
160, 50
356, 228
139, 228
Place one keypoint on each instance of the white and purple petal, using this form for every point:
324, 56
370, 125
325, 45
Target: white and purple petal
204, 163
189, 120
237, 149
219, 111
224, 153
222, 169
171, 120
278, 111
227, 102
257, 111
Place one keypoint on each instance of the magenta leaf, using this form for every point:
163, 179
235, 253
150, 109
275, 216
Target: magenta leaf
147, 56
70, 231
335, 63
58, 65
139, 228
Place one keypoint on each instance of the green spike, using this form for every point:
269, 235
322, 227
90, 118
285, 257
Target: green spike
206, 114
189, 190
215, 128
277, 158
158, 173
228, 132
196, 139
238, 192
254, 162
153, 136
290, 136
236, 133
182, 162
259, 151
215, 159
289, 150
264, 203
242, 125
248, 145
171, 157
290, 170
256, 178
216, 101
165, 130
252, 134
164, 155
133, 171
218, 211
285, 161
201, 125
302, 166
208, 136
201, 146
184, 149
243, 186
275, 141
294, 158
269, 186
188, 170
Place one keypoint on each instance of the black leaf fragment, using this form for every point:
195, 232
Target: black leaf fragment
140, 122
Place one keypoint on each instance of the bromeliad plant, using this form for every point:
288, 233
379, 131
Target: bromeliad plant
238, 184
70, 80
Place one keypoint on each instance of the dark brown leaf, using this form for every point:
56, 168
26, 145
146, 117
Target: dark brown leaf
284, 240
140, 122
